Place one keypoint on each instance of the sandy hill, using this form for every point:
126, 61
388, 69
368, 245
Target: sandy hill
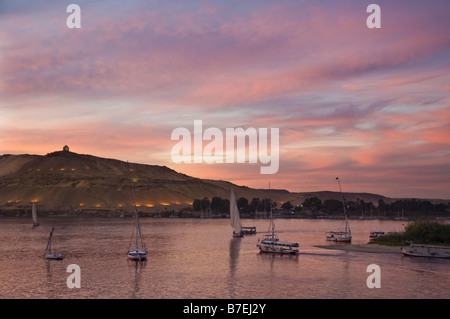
64, 181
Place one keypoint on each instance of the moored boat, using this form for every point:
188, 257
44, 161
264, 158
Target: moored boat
139, 252
340, 237
374, 235
427, 251
248, 230
271, 243
344, 236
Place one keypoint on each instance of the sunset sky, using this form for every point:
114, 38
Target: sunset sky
371, 106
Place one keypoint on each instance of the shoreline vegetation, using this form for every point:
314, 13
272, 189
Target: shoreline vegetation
425, 232
188, 213
422, 232
314, 207
260, 209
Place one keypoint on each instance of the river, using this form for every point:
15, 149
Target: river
199, 259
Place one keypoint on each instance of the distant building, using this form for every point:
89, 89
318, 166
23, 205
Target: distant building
66, 148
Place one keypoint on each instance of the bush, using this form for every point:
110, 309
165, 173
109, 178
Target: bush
420, 232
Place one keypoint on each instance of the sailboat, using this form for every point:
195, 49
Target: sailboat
48, 250
139, 252
235, 220
271, 243
34, 214
341, 236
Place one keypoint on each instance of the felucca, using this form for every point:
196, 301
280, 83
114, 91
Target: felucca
341, 236
48, 250
271, 243
139, 252
235, 219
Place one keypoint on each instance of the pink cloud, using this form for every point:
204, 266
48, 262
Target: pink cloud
346, 99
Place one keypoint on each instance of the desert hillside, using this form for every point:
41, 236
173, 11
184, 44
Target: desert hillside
64, 181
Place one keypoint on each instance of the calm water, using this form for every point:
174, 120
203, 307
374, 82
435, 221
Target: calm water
198, 258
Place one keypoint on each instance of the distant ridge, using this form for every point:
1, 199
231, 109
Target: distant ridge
66, 182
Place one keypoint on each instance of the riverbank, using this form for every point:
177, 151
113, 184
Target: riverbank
365, 248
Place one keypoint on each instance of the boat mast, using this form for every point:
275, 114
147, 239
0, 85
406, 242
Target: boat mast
49, 244
271, 215
138, 228
347, 227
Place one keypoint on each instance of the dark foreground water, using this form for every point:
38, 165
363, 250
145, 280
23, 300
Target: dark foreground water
198, 258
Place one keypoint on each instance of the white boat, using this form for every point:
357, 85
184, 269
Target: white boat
34, 214
344, 236
374, 235
339, 236
271, 243
427, 251
48, 250
139, 252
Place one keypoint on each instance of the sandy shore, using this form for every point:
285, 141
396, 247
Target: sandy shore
366, 248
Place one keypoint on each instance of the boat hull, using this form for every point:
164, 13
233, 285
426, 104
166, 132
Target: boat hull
248, 230
54, 256
276, 250
340, 240
340, 237
137, 255
411, 253
344, 240
135, 258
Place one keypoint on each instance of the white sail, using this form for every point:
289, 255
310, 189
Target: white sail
235, 220
34, 214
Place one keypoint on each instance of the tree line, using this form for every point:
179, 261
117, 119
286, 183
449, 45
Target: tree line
360, 207
314, 206
222, 206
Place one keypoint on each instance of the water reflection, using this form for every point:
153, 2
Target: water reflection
50, 291
235, 247
272, 258
138, 267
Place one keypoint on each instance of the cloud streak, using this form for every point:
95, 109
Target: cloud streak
371, 106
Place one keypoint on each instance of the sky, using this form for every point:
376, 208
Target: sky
370, 106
